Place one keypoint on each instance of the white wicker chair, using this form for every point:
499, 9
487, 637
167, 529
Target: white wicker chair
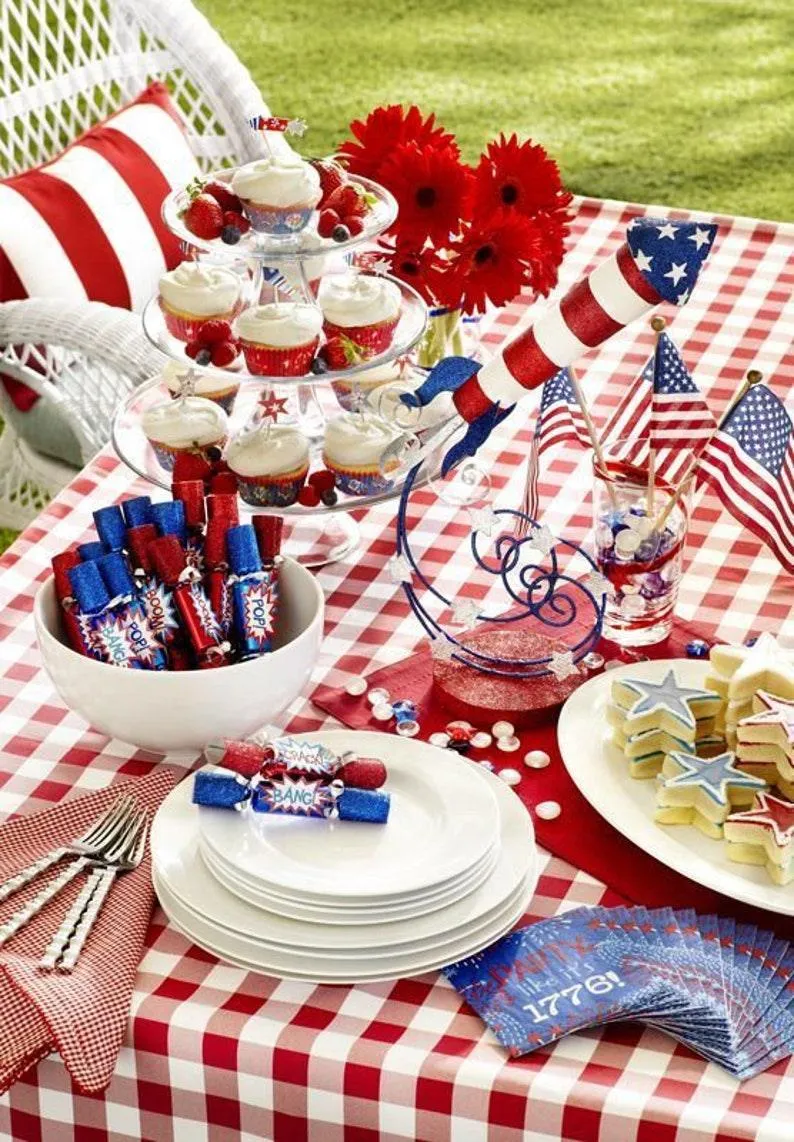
64, 65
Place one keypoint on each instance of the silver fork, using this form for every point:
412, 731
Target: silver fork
65, 947
96, 836
20, 918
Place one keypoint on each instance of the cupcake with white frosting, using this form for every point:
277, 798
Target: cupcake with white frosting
278, 193
270, 462
361, 389
353, 449
279, 339
190, 424
194, 293
214, 385
360, 312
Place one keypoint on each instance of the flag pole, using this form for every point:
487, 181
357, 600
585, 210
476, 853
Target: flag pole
754, 377
657, 325
591, 432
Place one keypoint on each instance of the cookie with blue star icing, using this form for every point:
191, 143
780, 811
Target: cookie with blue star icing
646, 751
663, 705
703, 791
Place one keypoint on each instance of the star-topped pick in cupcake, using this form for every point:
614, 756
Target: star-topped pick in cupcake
663, 705
764, 835
702, 791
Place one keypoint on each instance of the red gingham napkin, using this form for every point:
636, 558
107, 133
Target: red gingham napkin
82, 1015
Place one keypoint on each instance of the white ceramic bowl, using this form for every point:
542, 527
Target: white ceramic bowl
170, 711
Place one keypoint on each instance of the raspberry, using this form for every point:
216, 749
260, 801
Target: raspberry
323, 480
193, 348
223, 353
239, 221
355, 225
214, 331
223, 195
308, 496
327, 223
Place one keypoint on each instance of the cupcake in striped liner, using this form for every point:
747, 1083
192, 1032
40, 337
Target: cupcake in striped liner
271, 462
353, 448
360, 314
278, 193
218, 386
190, 424
279, 339
194, 293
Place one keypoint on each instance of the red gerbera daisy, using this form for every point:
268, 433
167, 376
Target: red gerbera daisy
420, 268
494, 259
386, 128
519, 176
432, 190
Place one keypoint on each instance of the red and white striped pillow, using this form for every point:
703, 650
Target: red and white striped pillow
87, 225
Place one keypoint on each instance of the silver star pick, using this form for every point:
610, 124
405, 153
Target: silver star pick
484, 520
465, 613
562, 664
441, 649
399, 569
597, 584
380, 267
296, 127
542, 540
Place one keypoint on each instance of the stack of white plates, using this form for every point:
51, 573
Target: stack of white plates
342, 902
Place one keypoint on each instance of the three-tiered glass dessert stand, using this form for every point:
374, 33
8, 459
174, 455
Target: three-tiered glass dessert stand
288, 268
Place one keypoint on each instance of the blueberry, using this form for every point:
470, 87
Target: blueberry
340, 233
213, 453
231, 235
203, 357
319, 365
329, 498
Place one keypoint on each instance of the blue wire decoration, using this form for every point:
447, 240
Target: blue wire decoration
536, 585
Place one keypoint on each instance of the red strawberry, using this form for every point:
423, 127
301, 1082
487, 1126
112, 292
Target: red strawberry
331, 177
204, 217
347, 200
234, 218
223, 353
355, 225
213, 331
223, 195
327, 223
193, 348
340, 352
308, 496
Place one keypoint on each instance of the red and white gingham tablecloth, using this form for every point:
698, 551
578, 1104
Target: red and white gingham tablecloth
216, 1054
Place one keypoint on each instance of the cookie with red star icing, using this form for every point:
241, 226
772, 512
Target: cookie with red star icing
737, 672
767, 735
702, 791
764, 835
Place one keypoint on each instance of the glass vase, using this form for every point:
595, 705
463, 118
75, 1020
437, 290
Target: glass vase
444, 337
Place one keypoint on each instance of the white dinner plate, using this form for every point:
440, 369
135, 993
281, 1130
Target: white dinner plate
335, 913
179, 867
286, 963
443, 819
601, 773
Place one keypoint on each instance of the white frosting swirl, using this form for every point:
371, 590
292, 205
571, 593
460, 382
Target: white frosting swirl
262, 452
280, 323
180, 423
281, 180
357, 440
200, 289
358, 299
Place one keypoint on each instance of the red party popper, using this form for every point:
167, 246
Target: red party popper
75, 631
198, 621
190, 493
157, 600
216, 573
224, 483
225, 505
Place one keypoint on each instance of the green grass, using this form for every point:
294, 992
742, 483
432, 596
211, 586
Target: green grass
683, 102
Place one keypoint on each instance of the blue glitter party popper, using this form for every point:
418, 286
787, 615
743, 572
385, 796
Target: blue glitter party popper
169, 519
137, 511
110, 527
128, 606
252, 592
90, 552
106, 631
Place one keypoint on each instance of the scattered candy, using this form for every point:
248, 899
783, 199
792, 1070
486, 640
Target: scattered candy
697, 648
751, 641
440, 740
355, 687
378, 697
503, 730
481, 740
459, 726
548, 810
593, 660
510, 776
459, 734
508, 745
382, 712
403, 706
407, 728
489, 765
537, 759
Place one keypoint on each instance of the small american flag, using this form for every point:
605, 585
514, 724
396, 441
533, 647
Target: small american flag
663, 408
749, 462
560, 418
